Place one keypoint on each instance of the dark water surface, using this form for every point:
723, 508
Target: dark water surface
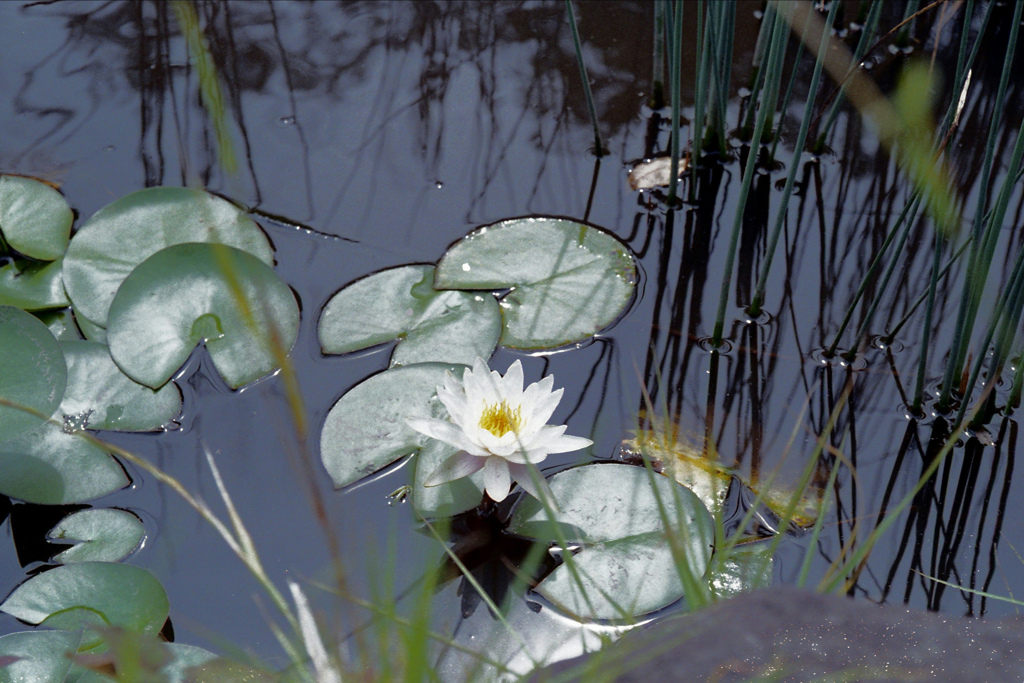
379, 133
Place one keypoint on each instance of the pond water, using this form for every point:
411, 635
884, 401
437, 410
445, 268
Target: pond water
374, 135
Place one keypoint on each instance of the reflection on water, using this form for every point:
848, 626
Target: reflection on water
379, 133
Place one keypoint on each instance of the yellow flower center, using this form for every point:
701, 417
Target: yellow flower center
499, 419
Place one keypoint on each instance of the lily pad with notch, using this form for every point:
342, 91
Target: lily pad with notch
74, 596
366, 428
567, 280
123, 234
99, 534
100, 396
619, 517
401, 303
35, 219
186, 294
32, 372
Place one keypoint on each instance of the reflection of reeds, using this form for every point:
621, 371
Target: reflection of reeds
898, 245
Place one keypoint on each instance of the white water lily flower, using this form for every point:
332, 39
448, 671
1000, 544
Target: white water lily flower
498, 427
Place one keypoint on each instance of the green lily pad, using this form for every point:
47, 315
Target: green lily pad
74, 596
366, 429
32, 372
126, 232
400, 303
625, 566
100, 396
568, 280
90, 330
32, 285
51, 467
100, 534
35, 219
36, 655
190, 293
443, 500
61, 324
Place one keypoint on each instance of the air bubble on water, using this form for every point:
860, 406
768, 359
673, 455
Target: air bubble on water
286, 121
439, 184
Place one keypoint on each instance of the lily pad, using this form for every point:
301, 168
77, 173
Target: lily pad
74, 596
51, 467
100, 534
400, 303
36, 655
568, 280
32, 372
61, 324
100, 396
443, 500
126, 232
366, 429
90, 330
32, 285
190, 293
35, 219
626, 566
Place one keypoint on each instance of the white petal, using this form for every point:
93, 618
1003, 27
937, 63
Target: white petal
566, 444
503, 445
538, 390
497, 479
543, 408
478, 391
443, 430
533, 483
511, 388
540, 439
460, 465
455, 404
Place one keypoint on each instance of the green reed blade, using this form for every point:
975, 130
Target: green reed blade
703, 63
794, 165
866, 35
657, 99
675, 71
780, 33
598, 149
983, 246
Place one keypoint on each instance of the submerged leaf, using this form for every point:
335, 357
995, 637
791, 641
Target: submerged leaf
190, 293
32, 372
627, 520
51, 467
400, 303
126, 232
32, 285
100, 534
366, 429
100, 396
74, 596
652, 173
35, 219
568, 280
